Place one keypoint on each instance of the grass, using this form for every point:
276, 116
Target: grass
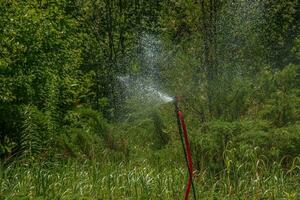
93, 180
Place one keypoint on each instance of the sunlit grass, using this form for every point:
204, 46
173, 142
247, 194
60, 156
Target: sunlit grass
90, 180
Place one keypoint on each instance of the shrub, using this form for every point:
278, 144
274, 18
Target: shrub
214, 139
85, 132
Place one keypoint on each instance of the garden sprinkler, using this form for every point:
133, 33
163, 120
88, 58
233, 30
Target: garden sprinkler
182, 129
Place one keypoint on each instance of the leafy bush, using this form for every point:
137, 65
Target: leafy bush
280, 96
37, 135
84, 133
160, 137
11, 126
214, 139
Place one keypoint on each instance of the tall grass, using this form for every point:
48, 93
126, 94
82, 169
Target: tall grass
93, 180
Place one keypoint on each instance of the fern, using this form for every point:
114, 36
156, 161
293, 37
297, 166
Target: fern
36, 135
84, 133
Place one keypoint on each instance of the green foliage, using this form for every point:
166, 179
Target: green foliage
281, 101
87, 180
235, 62
281, 30
37, 135
85, 132
160, 137
11, 126
214, 139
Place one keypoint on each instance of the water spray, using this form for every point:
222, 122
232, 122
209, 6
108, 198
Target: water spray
145, 89
182, 129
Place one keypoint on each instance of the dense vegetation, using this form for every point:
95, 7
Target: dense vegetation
70, 128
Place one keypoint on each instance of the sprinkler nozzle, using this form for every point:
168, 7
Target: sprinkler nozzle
176, 102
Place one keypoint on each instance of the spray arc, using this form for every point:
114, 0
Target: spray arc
182, 129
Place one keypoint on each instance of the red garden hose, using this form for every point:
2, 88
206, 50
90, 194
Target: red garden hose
189, 155
186, 148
